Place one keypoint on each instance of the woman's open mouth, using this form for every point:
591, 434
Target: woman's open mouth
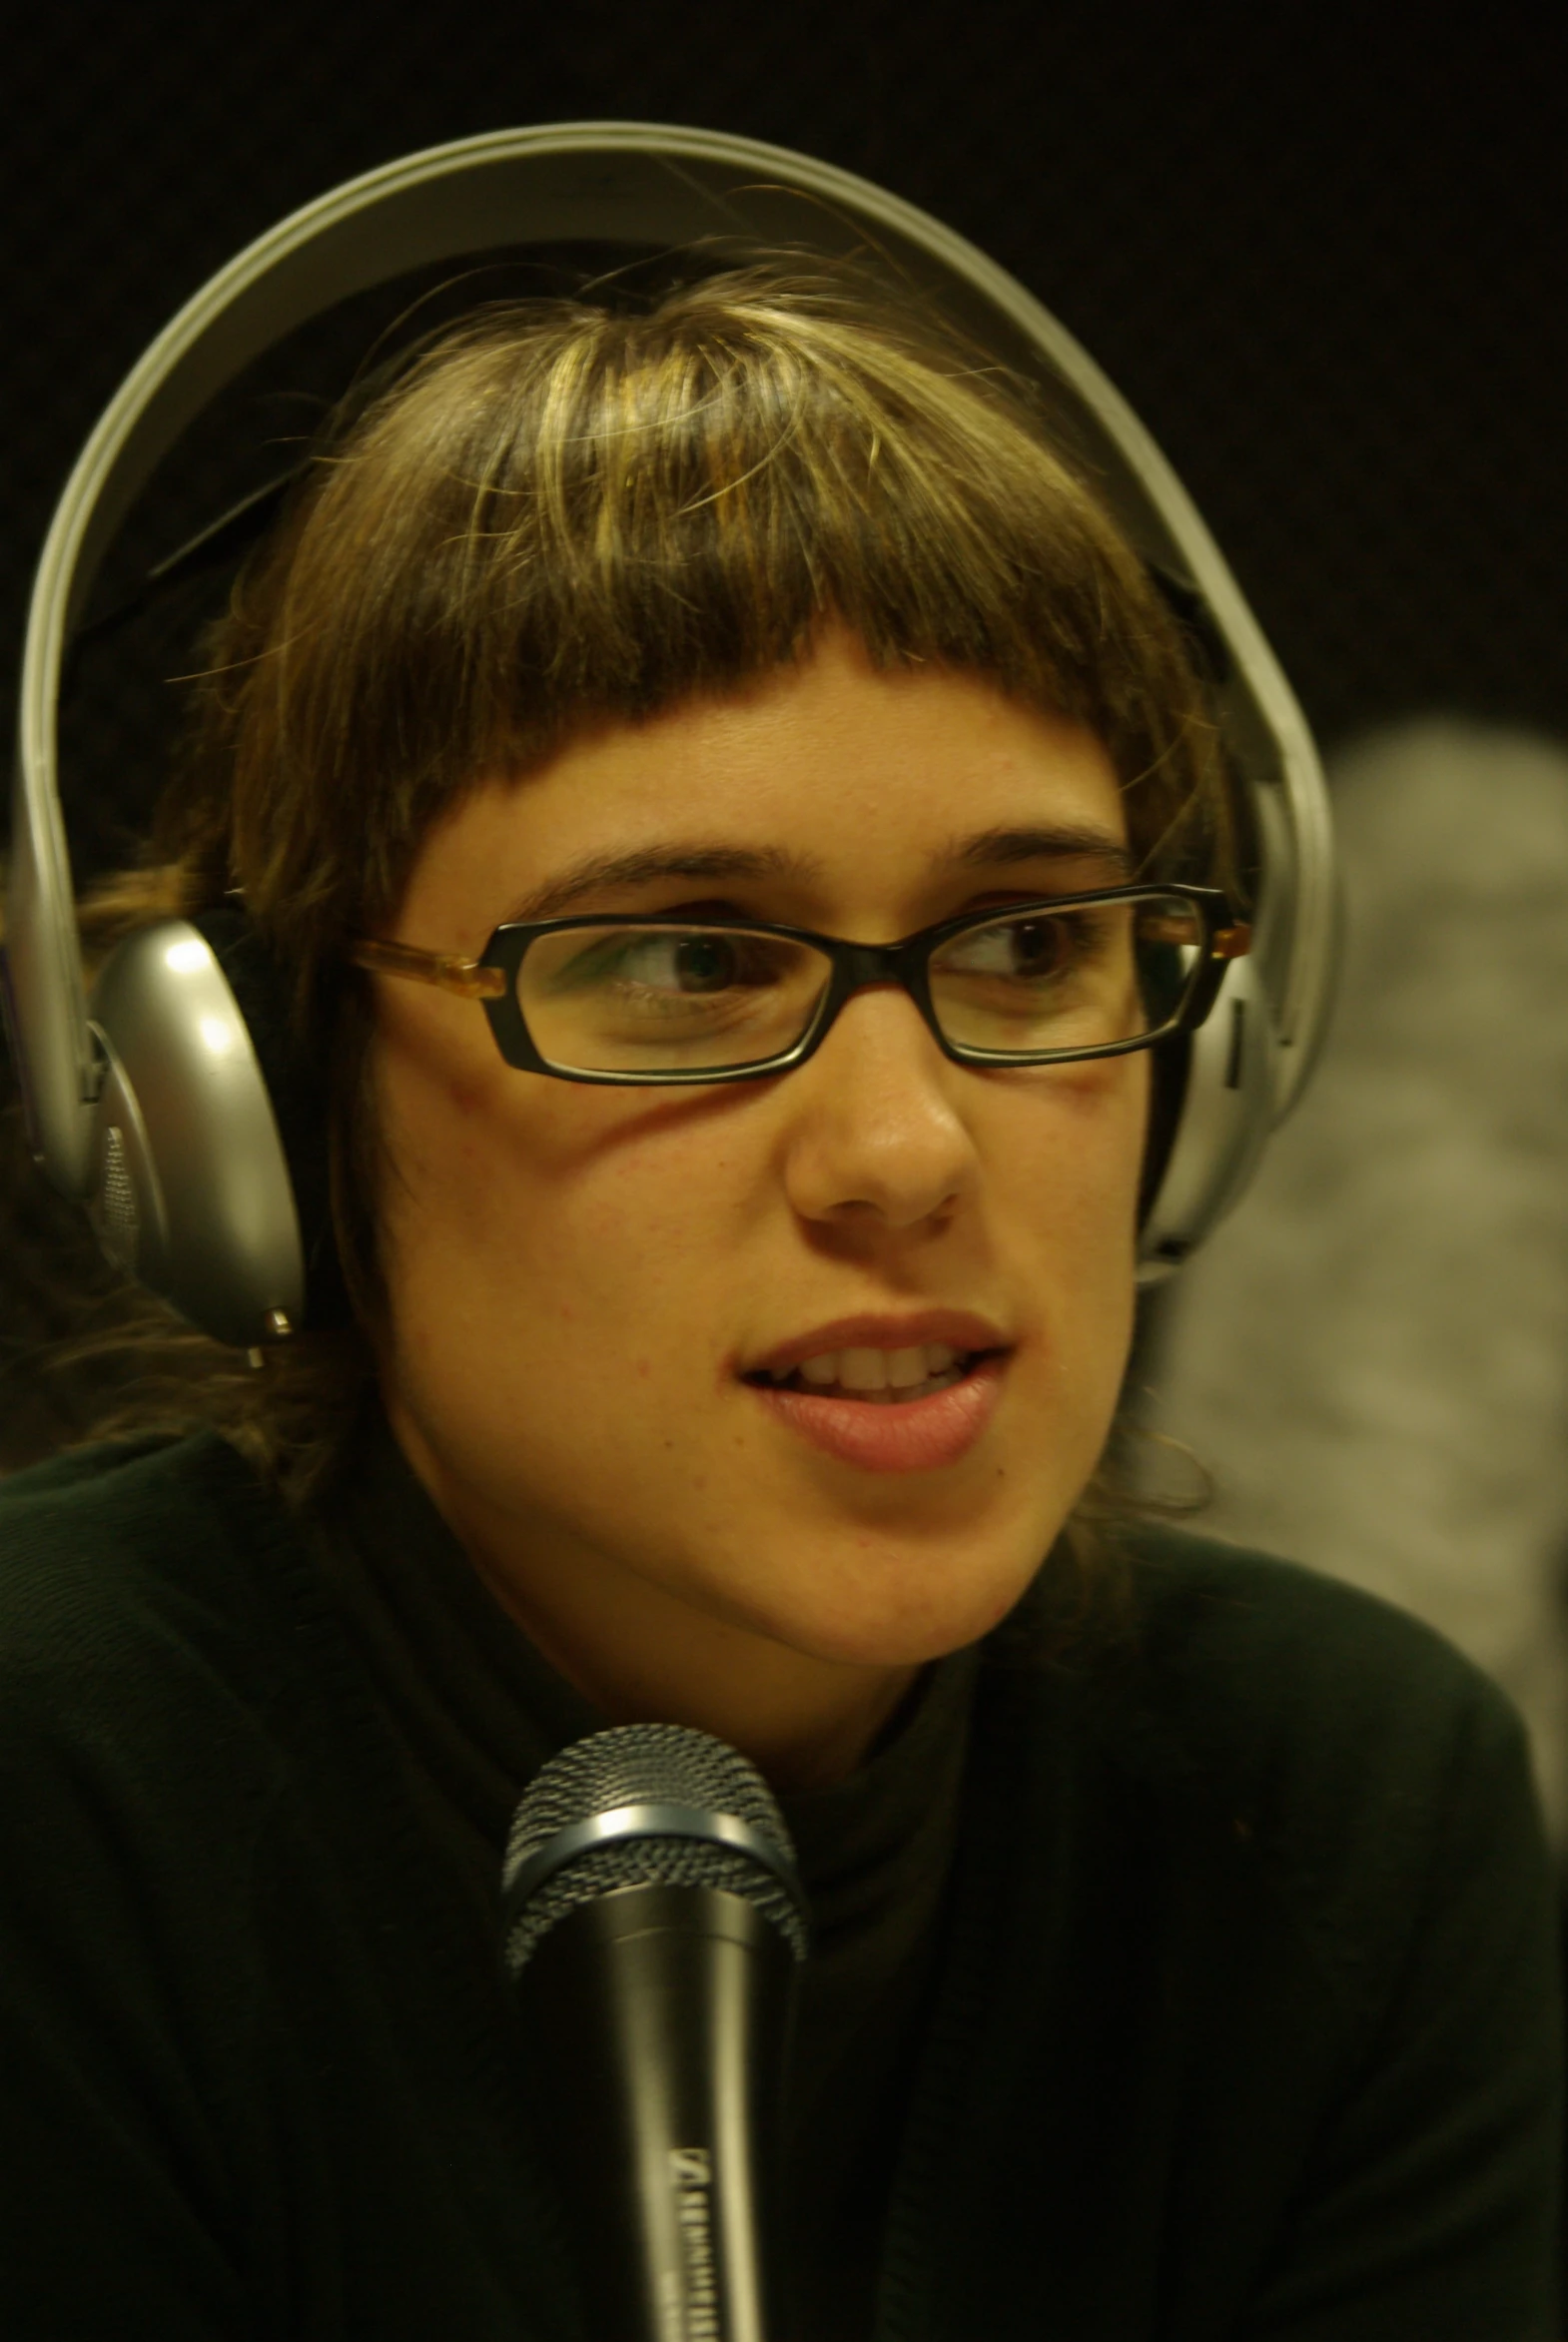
901, 1410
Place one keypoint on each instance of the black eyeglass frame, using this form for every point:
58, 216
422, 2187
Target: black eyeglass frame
492, 981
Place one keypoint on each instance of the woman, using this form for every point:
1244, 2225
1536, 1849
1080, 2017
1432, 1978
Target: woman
1183, 1957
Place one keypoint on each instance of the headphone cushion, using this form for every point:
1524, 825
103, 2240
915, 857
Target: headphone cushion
297, 1088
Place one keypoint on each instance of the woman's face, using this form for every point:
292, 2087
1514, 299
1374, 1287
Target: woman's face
592, 1288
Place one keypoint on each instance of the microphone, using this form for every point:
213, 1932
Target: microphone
653, 1925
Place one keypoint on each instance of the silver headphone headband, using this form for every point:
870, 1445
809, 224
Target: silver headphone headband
650, 185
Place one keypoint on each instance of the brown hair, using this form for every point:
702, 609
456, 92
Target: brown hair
559, 515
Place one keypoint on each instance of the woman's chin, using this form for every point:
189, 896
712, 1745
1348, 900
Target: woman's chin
894, 1626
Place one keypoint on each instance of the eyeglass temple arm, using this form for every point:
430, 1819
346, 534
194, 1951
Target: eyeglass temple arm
1227, 943
467, 978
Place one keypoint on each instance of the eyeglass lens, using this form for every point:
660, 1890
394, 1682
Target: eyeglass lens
671, 998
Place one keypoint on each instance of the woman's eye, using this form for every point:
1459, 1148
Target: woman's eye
692, 963
703, 963
687, 963
1026, 949
1039, 947
630, 998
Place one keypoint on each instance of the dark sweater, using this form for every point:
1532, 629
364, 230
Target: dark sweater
1242, 2024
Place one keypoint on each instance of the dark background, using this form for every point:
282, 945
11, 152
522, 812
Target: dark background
1323, 255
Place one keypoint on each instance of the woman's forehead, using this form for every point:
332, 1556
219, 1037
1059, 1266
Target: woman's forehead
831, 773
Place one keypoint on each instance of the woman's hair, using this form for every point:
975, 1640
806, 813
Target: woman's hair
561, 515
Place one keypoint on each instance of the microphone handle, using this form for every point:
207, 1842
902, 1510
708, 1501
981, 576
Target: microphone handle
660, 2024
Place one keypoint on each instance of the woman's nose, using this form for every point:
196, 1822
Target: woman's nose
875, 1135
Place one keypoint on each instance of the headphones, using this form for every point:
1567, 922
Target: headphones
171, 1104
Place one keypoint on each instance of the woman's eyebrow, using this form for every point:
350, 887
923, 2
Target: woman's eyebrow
1058, 841
595, 872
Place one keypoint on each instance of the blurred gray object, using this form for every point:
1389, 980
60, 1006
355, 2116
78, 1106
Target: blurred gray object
1371, 1358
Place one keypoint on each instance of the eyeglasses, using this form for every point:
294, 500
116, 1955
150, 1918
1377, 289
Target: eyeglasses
671, 998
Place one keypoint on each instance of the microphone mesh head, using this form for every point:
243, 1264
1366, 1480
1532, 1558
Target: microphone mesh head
638, 1765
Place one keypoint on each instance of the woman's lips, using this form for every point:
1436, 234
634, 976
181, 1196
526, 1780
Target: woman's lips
911, 1435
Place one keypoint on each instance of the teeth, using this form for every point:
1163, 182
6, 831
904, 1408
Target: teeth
875, 1374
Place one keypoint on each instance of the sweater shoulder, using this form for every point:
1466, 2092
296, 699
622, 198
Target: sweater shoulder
1343, 1748
1239, 1645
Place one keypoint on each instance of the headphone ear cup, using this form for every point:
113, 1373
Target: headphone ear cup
195, 1192
1217, 1110
296, 1092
